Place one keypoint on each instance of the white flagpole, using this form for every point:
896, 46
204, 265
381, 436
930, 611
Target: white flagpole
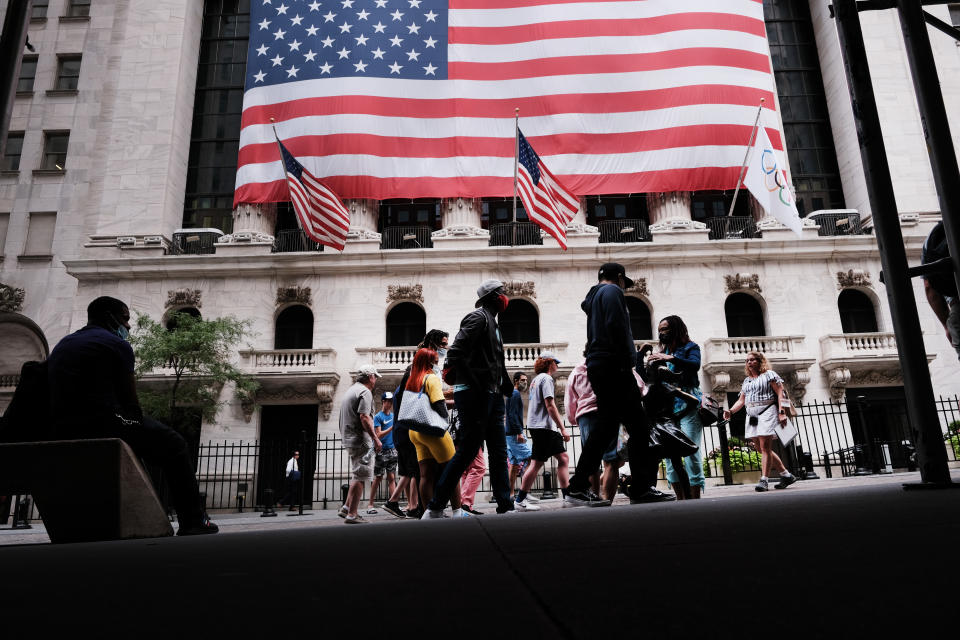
516, 158
743, 167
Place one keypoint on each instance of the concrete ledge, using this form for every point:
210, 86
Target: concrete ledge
86, 490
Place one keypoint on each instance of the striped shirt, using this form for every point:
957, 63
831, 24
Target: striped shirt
758, 390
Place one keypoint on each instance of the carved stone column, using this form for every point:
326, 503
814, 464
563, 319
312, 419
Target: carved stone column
253, 226
325, 397
721, 381
670, 219
363, 236
579, 233
839, 379
461, 224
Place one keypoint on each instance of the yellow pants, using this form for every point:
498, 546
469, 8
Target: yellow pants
436, 448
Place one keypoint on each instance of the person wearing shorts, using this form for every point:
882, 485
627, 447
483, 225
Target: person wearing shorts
360, 439
518, 448
546, 430
386, 462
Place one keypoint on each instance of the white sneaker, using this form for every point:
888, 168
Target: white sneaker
430, 514
460, 513
526, 505
532, 499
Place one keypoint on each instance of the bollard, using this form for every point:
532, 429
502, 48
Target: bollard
547, 493
826, 465
241, 495
344, 488
21, 514
268, 511
725, 453
807, 462
887, 460
860, 460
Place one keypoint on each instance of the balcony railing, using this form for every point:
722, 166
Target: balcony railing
624, 231
736, 349
294, 240
841, 223
194, 241
732, 228
858, 345
387, 359
287, 360
406, 238
9, 381
525, 354
515, 234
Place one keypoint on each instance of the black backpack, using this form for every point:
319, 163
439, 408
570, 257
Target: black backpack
936, 248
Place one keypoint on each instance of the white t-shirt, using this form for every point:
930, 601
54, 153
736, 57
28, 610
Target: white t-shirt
540, 389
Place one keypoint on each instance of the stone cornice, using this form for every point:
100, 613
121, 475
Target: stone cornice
721, 253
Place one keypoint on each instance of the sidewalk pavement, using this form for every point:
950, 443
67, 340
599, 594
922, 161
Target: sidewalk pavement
233, 522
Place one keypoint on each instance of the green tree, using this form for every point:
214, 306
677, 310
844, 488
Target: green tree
198, 353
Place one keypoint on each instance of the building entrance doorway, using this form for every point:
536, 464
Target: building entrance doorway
283, 430
878, 416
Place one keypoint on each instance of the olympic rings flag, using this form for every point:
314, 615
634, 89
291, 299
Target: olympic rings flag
767, 181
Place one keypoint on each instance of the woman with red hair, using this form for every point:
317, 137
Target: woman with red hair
434, 446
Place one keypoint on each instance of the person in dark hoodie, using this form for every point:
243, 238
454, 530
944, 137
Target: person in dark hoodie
610, 358
476, 368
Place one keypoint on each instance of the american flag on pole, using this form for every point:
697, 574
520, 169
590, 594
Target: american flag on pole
416, 98
321, 214
547, 202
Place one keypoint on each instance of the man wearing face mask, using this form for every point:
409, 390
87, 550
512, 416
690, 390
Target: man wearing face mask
93, 395
476, 367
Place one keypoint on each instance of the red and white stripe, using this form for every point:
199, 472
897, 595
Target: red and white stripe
548, 203
616, 96
323, 217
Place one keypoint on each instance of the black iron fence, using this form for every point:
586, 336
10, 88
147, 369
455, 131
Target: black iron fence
194, 242
407, 238
293, 240
624, 231
838, 224
515, 234
732, 228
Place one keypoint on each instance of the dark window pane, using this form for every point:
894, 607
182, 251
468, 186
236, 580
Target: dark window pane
39, 8
78, 8
28, 71
12, 151
520, 323
294, 329
856, 312
68, 73
406, 325
744, 316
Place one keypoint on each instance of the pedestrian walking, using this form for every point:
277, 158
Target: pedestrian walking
941, 288
547, 431
763, 394
386, 462
475, 367
359, 439
292, 482
682, 355
518, 448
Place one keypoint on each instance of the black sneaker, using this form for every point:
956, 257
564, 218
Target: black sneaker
652, 495
414, 513
785, 481
507, 508
204, 528
585, 498
393, 508
471, 510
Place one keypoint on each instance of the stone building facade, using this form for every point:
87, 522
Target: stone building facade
107, 220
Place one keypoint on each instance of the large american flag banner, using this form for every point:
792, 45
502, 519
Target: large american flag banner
548, 203
416, 98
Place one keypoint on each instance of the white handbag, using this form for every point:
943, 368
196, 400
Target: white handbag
416, 414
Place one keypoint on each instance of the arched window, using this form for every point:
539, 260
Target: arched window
406, 325
856, 312
640, 323
172, 318
294, 329
744, 316
520, 323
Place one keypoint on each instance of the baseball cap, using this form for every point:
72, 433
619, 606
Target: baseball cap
387, 395
548, 355
611, 270
486, 288
369, 370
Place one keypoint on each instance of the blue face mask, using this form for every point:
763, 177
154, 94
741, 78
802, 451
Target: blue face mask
123, 333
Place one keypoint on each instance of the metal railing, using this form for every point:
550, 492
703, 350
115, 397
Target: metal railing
841, 223
294, 240
194, 241
515, 234
732, 228
624, 231
407, 238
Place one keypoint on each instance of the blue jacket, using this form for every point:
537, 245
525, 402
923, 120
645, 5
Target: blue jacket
686, 361
514, 414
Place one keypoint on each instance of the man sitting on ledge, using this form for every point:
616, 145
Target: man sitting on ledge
93, 395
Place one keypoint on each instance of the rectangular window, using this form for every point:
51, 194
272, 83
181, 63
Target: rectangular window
28, 72
38, 9
68, 72
78, 8
55, 150
4, 223
11, 153
40, 234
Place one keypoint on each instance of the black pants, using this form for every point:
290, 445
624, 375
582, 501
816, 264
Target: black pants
159, 445
481, 419
618, 402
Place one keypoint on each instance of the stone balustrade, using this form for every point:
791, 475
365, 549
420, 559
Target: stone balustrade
736, 349
287, 360
9, 381
392, 359
522, 355
858, 345
723, 360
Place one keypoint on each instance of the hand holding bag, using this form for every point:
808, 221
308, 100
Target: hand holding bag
709, 411
417, 415
668, 441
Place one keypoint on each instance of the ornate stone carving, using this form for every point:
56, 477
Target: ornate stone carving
678, 224
639, 287
358, 233
412, 292
184, 298
517, 289
11, 298
295, 294
247, 408
741, 281
839, 378
461, 231
769, 222
876, 378
853, 278
721, 382
578, 228
325, 396
797, 382
242, 237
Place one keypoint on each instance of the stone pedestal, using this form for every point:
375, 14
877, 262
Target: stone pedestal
253, 226
579, 233
670, 220
363, 235
461, 225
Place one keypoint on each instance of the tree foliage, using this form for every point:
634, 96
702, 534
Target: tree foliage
197, 353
